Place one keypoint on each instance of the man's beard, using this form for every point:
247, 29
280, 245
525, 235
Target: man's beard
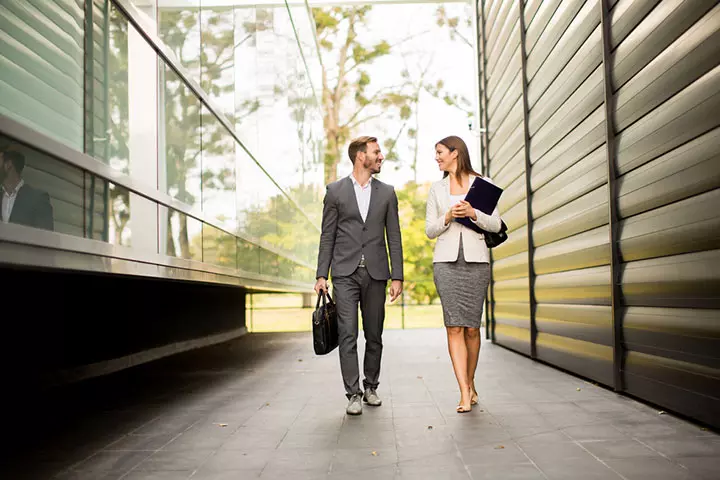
373, 166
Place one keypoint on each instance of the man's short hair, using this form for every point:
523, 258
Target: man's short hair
359, 144
16, 158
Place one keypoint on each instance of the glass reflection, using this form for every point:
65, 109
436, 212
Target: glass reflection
256, 203
124, 101
181, 145
289, 108
39, 191
269, 263
42, 56
218, 171
305, 274
217, 59
108, 211
286, 268
179, 29
219, 248
248, 256
248, 22
180, 235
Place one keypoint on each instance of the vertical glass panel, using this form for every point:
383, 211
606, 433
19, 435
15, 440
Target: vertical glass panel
219, 248
304, 274
180, 140
289, 108
268, 263
179, 29
50, 195
248, 21
108, 211
248, 255
218, 171
256, 201
125, 104
180, 235
295, 233
286, 268
217, 33
42, 66
305, 32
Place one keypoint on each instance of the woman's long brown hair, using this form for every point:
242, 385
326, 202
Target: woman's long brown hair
456, 144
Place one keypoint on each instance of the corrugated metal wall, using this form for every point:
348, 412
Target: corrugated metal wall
649, 178
41, 66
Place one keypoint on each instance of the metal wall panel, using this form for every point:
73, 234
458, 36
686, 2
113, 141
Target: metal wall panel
506, 143
41, 66
623, 172
667, 94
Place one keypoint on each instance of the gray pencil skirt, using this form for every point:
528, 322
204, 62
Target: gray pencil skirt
462, 288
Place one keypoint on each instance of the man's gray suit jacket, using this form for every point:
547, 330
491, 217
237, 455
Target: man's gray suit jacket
345, 237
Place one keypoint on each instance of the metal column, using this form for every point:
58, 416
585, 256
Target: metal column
528, 187
616, 298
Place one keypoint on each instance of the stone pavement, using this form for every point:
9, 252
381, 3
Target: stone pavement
264, 406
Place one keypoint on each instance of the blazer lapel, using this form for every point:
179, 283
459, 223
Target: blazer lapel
350, 187
373, 196
19, 205
446, 194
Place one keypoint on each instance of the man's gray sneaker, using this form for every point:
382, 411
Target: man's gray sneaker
354, 406
371, 398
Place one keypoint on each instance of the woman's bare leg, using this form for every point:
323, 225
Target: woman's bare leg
459, 356
472, 344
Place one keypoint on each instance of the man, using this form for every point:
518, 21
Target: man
358, 212
20, 202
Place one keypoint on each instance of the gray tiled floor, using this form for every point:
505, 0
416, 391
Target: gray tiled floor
266, 407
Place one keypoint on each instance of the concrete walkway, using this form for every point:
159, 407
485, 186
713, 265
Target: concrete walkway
266, 407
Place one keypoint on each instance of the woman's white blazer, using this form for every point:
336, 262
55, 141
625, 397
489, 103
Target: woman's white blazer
448, 236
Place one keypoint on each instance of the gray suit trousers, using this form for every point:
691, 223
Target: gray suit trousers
360, 287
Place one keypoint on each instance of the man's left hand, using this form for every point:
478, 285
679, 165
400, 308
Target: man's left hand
395, 289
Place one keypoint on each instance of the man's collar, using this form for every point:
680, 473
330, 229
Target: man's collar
17, 188
355, 182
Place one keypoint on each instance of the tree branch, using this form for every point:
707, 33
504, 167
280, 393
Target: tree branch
370, 102
407, 39
362, 120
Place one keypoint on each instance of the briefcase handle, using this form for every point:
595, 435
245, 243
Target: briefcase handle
324, 295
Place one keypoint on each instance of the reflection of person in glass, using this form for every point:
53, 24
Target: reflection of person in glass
22, 203
359, 211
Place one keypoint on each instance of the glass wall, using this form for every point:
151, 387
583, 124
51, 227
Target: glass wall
233, 134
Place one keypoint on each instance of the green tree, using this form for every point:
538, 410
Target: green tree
417, 249
349, 101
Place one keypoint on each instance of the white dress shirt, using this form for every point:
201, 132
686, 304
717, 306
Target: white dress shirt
362, 195
9, 201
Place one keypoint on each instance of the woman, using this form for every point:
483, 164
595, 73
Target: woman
460, 261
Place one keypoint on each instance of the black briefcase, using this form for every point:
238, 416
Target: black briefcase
325, 325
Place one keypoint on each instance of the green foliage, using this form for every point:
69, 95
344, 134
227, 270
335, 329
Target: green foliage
417, 248
349, 99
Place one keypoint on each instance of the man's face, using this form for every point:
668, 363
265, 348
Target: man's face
373, 158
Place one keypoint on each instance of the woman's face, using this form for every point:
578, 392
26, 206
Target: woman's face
447, 160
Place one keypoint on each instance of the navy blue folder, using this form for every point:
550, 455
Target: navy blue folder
482, 196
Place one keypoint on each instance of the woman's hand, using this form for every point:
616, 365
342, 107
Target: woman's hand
462, 210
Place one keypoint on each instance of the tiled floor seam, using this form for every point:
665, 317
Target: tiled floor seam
579, 444
519, 447
670, 459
